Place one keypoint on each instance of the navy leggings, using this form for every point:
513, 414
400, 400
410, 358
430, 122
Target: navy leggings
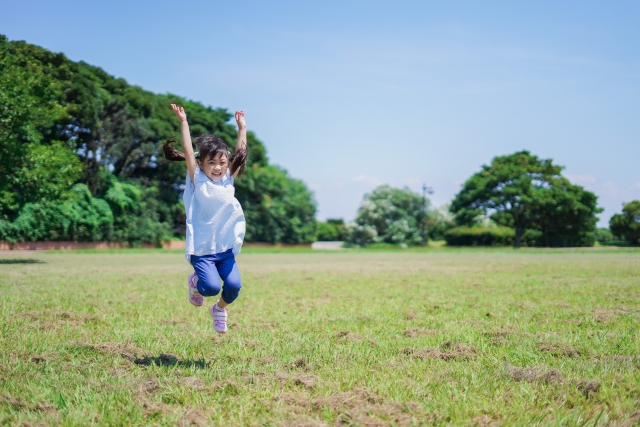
211, 268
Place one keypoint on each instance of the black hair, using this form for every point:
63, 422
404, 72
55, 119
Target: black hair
209, 145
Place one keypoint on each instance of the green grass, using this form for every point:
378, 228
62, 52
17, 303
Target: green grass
357, 337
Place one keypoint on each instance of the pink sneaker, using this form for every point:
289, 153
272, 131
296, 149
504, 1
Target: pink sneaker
194, 296
219, 317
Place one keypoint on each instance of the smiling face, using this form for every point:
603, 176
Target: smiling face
215, 167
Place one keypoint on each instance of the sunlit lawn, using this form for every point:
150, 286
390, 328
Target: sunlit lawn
484, 337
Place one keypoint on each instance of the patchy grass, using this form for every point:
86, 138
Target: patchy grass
432, 337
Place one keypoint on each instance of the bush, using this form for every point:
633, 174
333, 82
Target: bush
487, 236
388, 215
359, 235
79, 218
331, 230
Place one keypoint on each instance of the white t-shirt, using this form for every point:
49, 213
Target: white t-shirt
215, 220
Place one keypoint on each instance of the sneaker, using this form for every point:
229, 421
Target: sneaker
194, 296
219, 316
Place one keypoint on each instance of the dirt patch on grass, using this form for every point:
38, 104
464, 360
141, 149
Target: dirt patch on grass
357, 407
193, 417
499, 336
411, 316
588, 387
20, 404
194, 383
416, 332
351, 336
552, 376
558, 349
308, 381
38, 358
151, 408
302, 363
605, 315
126, 350
448, 351
484, 421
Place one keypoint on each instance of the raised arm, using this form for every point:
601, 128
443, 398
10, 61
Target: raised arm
241, 145
187, 148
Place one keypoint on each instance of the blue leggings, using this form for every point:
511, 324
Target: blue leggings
211, 268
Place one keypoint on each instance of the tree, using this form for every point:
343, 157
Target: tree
524, 192
64, 122
627, 224
388, 215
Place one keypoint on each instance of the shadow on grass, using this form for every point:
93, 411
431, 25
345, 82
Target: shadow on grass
21, 261
170, 360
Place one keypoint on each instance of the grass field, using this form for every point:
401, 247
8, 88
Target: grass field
373, 338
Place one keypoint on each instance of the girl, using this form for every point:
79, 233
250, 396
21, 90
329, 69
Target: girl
215, 221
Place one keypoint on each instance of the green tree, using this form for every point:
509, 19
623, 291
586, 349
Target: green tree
524, 192
627, 224
388, 215
64, 122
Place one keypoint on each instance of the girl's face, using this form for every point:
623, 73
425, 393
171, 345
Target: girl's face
215, 167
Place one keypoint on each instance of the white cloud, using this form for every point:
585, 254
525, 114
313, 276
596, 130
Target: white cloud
315, 187
584, 179
367, 180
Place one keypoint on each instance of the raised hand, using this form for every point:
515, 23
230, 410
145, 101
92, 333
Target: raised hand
179, 112
242, 125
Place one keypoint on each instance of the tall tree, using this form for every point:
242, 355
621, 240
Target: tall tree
524, 192
627, 224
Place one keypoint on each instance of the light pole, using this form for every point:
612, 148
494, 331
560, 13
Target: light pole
425, 190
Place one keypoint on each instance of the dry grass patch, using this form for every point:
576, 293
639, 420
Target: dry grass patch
358, 407
20, 404
551, 376
558, 349
447, 352
588, 387
416, 332
126, 350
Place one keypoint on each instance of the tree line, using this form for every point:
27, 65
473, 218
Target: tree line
518, 199
81, 159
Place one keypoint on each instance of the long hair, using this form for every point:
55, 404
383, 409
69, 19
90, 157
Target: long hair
209, 145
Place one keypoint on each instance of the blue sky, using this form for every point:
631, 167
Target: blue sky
349, 95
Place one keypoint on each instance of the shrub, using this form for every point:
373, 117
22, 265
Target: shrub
488, 236
388, 215
331, 230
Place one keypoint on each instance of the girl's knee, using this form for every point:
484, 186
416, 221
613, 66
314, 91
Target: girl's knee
208, 288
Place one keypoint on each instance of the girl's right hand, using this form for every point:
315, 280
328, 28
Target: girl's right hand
179, 112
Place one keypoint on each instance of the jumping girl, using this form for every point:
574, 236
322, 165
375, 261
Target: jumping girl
215, 221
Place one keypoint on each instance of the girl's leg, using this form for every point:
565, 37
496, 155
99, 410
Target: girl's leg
208, 279
228, 270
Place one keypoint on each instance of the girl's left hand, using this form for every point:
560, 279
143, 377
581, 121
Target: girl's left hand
242, 125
